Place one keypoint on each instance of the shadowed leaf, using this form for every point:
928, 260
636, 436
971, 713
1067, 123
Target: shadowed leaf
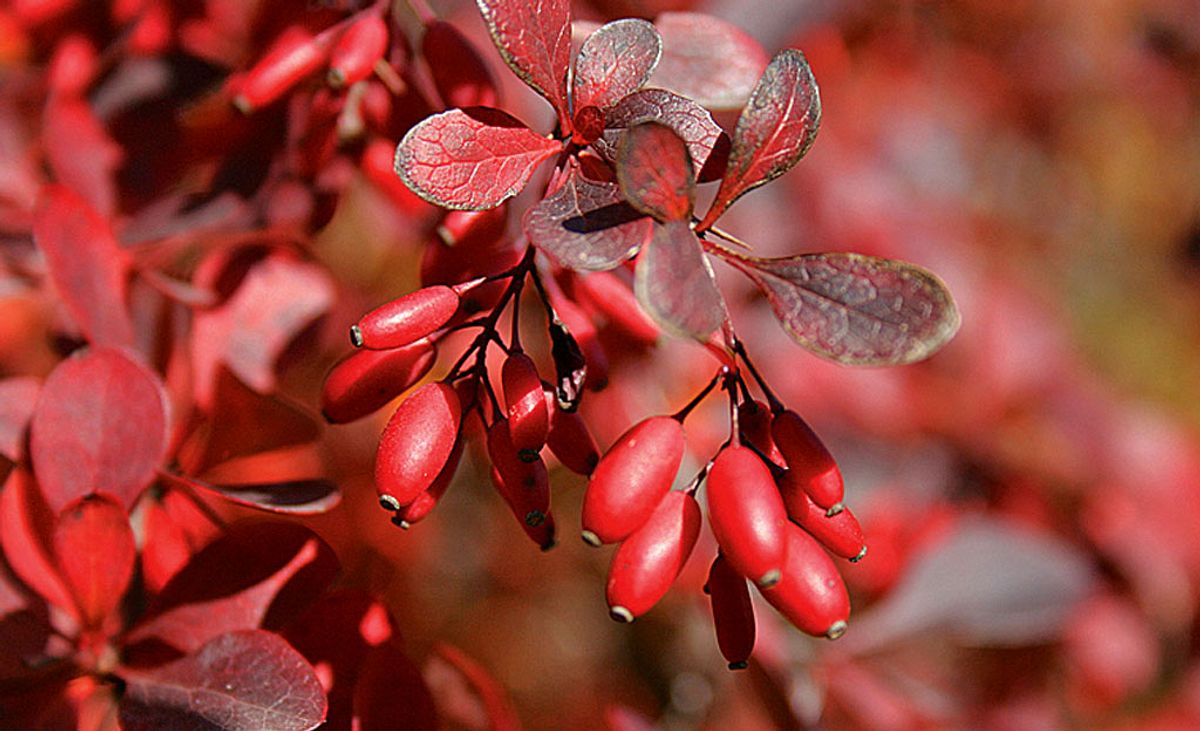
295, 497
459, 73
655, 172
18, 396
470, 159
707, 143
95, 550
465, 689
534, 38
26, 532
674, 283
707, 59
391, 693
614, 62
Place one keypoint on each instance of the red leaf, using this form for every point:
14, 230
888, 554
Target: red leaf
24, 632
392, 694
463, 687
655, 172
534, 38
255, 575
26, 525
89, 270
775, 130
707, 143
101, 423
294, 497
585, 224
708, 60
17, 399
278, 298
615, 61
674, 283
855, 309
241, 680
470, 159
83, 156
461, 76
95, 549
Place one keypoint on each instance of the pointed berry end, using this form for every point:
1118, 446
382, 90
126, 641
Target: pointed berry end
706, 589
400, 522
549, 544
834, 510
836, 630
769, 579
534, 518
335, 78
861, 555
620, 614
527, 455
739, 665
590, 538
356, 336
243, 105
387, 502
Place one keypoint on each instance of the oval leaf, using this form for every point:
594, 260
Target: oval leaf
534, 38
100, 424
655, 172
774, 131
707, 143
26, 530
247, 680
89, 270
586, 224
294, 497
674, 283
470, 159
614, 62
18, 396
461, 76
707, 59
94, 545
858, 310
391, 693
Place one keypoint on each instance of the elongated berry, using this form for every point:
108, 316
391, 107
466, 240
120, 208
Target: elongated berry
528, 418
840, 532
811, 594
754, 423
747, 515
366, 380
649, 560
614, 300
404, 320
423, 504
357, 49
295, 54
538, 523
569, 439
809, 463
631, 479
416, 444
524, 485
733, 613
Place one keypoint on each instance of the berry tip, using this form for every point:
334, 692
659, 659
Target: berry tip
836, 630
387, 502
620, 614
356, 336
834, 510
590, 538
739, 665
769, 579
861, 555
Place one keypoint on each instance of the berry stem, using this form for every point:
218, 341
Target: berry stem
687, 409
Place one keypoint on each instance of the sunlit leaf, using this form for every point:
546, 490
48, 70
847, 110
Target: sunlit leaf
461, 76
707, 143
534, 38
707, 59
674, 283
18, 396
655, 172
100, 423
26, 535
855, 309
95, 550
470, 159
586, 224
614, 62
295, 497
774, 131
240, 681
81, 152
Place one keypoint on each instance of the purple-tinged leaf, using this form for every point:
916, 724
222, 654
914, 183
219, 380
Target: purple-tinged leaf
461, 76
89, 270
95, 550
534, 38
774, 131
708, 60
707, 143
655, 172
470, 159
586, 224
674, 283
614, 62
294, 497
855, 309
240, 681
18, 396
101, 423
391, 693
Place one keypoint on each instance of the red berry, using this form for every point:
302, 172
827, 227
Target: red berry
631, 479
528, 418
357, 49
416, 444
525, 486
424, 503
649, 560
840, 532
733, 613
811, 594
809, 462
366, 380
747, 515
295, 54
404, 320
754, 425
569, 439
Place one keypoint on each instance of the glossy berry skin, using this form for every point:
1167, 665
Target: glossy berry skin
809, 463
294, 55
840, 533
524, 485
416, 444
528, 418
754, 423
358, 48
811, 594
538, 524
569, 439
631, 479
366, 380
747, 515
733, 613
423, 504
647, 563
405, 320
